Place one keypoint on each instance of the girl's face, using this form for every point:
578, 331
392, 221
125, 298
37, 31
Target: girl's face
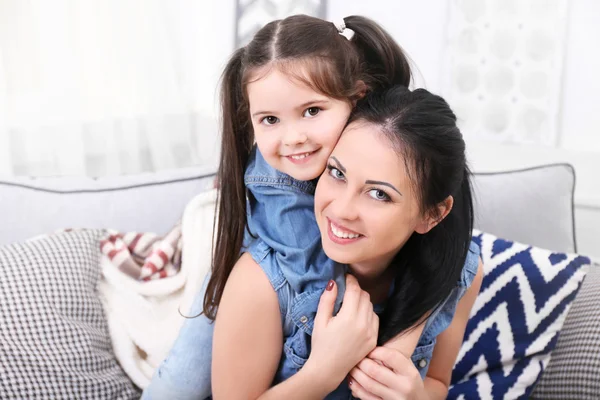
295, 127
365, 204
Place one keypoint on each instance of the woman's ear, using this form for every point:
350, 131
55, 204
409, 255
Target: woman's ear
361, 88
431, 219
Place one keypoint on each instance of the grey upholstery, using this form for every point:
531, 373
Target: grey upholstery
144, 203
533, 206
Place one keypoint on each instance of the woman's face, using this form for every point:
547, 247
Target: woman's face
365, 204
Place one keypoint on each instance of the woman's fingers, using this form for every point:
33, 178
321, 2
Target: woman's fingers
351, 296
357, 310
326, 304
365, 304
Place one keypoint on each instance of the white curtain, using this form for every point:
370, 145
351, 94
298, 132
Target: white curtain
105, 87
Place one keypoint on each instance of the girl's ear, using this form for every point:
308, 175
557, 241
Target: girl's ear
435, 216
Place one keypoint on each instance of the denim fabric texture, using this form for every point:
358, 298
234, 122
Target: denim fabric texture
185, 373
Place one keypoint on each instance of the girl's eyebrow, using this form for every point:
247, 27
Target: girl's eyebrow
370, 182
262, 113
301, 106
312, 102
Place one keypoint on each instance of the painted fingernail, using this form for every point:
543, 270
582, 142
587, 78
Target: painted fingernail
330, 285
350, 381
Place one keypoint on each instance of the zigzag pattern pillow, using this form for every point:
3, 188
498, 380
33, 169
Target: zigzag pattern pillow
514, 324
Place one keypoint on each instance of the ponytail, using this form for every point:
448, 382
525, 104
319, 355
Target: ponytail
230, 218
385, 62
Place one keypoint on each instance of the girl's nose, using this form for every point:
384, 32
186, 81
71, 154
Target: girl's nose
294, 137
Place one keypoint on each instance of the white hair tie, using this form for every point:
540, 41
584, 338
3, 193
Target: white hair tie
340, 25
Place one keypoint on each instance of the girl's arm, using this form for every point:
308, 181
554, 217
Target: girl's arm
400, 376
248, 343
406, 342
449, 341
247, 339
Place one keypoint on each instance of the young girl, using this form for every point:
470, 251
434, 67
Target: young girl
291, 94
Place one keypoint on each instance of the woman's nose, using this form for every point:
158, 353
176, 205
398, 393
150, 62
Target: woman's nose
344, 206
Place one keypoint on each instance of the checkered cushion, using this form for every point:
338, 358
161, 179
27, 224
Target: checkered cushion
54, 340
575, 362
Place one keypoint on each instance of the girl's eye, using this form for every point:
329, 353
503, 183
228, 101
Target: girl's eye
270, 120
379, 194
311, 111
335, 173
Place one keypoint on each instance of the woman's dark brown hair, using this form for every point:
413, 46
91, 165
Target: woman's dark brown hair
312, 51
422, 127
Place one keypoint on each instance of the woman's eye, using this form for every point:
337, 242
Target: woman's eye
270, 120
379, 194
335, 173
311, 111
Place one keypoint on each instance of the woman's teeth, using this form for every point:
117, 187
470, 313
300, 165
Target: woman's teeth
343, 235
300, 156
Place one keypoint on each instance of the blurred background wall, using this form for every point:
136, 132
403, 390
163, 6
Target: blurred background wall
97, 88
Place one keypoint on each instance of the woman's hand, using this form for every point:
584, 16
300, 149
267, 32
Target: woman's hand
340, 342
386, 374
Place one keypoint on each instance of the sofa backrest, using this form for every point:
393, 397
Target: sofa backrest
533, 206
151, 202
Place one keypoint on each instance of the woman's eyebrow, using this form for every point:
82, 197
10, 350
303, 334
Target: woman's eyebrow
367, 182
370, 182
339, 164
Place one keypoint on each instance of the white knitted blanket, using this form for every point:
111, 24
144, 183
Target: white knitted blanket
144, 316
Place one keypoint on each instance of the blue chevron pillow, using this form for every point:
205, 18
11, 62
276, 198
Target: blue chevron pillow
514, 324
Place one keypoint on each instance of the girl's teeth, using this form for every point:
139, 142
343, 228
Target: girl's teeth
343, 235
301, 156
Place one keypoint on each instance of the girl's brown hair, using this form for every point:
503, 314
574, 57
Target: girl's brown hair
312, 51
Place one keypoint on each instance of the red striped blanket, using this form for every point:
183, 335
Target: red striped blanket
145, 256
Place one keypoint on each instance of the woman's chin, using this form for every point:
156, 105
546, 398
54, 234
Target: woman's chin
339, 255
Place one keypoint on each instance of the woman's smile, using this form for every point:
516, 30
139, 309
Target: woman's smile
341, 235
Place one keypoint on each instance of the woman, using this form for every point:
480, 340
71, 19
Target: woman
395, 205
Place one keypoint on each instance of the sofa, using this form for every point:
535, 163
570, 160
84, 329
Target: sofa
532, 208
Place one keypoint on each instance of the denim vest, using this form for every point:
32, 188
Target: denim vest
285, 241
281, 219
